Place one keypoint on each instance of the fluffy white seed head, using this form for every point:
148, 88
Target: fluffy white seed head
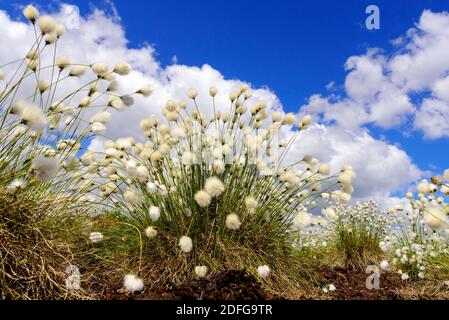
16, 185
306, 121
59, 30
133, 197
43, 85
47, 24
329, 213
214, 187
98, 127
251, 203
100, 68
276, 117
302, 220
202, 198
424, 187
324, 169
263, 271
289, 119
345, 179
31, 13
77, 71
201, 271
145, 91
132, 283
444, 190
50, 38
233, 221
155, 213
62, 62
384, 265
213, 91
122, 68
192, 93
218, 166
435, 217
18, 107
96, 237
150, 232
45, 168
103, 117
186, 244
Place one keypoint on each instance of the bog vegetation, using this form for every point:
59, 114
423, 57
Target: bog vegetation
196, 196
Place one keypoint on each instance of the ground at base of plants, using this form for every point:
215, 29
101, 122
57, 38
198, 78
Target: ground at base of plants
241, 285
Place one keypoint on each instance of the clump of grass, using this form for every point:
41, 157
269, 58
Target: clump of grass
357, 232
420, 248
35, 248
215, 190
46, 193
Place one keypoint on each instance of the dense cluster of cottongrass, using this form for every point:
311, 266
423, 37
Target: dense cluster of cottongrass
45, 204
201, 193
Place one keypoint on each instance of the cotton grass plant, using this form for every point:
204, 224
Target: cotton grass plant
215, 191
419, 249
46, 193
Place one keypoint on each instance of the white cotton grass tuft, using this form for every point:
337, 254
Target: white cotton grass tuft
133, 197
345, 179
45, 168
424, 187
145, 91
31, 13
46, 24
214, 187
63, 62
122, 68
233, 221
43, 85
96, 237
324, 169
302, 220
186, 244
384, 265
150, 232
201, 271
329, 213
154, 213
100, 68
98, 128
212, 91
50, 38
192, 93
33, 117
103, 117
251, 203
17, 107
435, 217
16, 185
59, 30
263, 271
77, 70
203, 198
132, 283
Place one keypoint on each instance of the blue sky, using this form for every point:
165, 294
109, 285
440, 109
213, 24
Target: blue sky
295, 48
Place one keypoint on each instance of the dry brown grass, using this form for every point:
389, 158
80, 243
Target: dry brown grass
34, 250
